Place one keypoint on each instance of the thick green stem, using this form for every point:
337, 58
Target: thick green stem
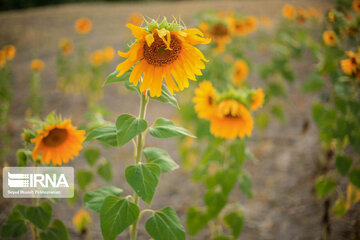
139, 150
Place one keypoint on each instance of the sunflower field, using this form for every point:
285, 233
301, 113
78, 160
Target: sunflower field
204, 120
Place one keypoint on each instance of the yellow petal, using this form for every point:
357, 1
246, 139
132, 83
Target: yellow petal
149, 39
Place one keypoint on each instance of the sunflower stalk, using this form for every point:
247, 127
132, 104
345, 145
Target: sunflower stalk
144, 99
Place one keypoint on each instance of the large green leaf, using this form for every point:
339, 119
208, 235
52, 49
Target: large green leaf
324, 185
343, 164
354, 177
167, 97
106, 135
195, 220
164, 128
246, 185
95, 199
215, 202
116, 215
92, 155
313, 83
84, 178
165, 225
112, 78
57, 231
161, 158
105, 171
127, 127
39, 215
235, 221
15, 225
143, 178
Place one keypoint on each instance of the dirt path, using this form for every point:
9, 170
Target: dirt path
283, 206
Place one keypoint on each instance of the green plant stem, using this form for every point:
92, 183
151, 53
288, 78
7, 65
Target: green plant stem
139, 150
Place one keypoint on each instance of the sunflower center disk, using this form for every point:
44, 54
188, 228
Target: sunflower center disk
219, 30
158, 55
55, 137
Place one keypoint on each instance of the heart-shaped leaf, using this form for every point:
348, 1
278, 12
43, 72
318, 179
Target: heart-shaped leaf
57, 231
39, 215
84, 178
106, 135
15, 225
164, 128
127, 127
95, 199
161, 158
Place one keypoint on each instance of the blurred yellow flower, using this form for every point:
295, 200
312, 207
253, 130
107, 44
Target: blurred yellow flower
2, 58
205, 97
231, 120
81, 220
251, 24
109, 53
239, 27
219, 32
10, 52
351, 65
257, 99
58, 143
329, 38
356, 5
83, 25
37, 65
301, 15
66, 46
288, 11
136, 19
331, 16
241, 71
97, 58
313, 12
163, 54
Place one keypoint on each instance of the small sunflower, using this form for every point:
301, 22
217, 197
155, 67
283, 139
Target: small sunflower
301, 15
10, 52
356, 5
136, 19
66, 46
289, 12
97, 58
205, 97
232, 119
163, 51
329, 38
109, 54
239, 27
351, 65
37, 65
81, 220
58, 143
241, 72
257, 99
83, 25
251, 24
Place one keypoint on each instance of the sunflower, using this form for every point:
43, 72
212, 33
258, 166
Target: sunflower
251, 24
163, 51
37, 65
66, 46
205, 97
239, 27
83, 25
329, 38
301, 15
331, 16
232, 119
58, 143
81, 220
289, 12
241, 72
109, 54
10, 52
257, 99
97, 58
351, 65
136, 19
356, 5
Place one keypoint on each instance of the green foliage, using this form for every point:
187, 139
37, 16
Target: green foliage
127, 127
56, 231
112, 78
167, 97
164, 128
354, 177
106, 135
196, 220
105, 171
164, 224
95, 199
246, 185
143, 178
15, 225
92, 155
161, 158
39, 215
116, 215
313, 83
84, 178
343, 164
235, 221
324, 186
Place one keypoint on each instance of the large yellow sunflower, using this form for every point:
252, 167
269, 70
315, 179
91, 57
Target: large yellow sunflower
58, 143
205, 97
232, 119
163, 52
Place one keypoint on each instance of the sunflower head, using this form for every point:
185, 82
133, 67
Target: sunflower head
241, 71
356, 5
83, 25
288, 11
57, 141
351, 65
329, 38
205, 99
37, 65
66, 46
10, 52
81, 220
301, 15
257, 99
163, 51
232, 119
97, 58
136, 19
